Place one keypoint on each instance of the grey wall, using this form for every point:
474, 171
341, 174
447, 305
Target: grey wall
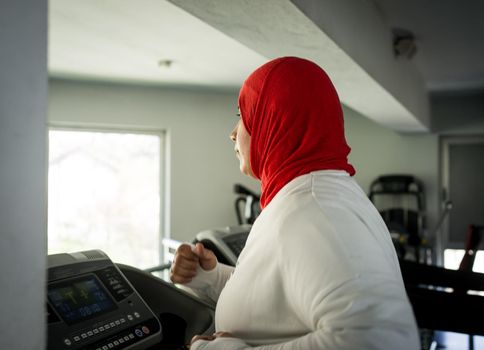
203, 166
377, 151
23, 181
458, 113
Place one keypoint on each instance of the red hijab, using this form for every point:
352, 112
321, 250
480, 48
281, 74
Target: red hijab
293, 115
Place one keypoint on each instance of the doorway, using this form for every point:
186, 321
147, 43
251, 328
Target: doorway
463, 184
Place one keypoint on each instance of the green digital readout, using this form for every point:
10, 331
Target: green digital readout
80, 299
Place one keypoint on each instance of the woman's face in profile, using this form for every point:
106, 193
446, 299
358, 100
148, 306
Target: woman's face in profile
241, 139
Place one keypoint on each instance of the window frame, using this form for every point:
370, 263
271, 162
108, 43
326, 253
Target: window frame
165, 161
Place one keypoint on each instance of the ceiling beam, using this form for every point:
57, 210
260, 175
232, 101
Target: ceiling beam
393, 97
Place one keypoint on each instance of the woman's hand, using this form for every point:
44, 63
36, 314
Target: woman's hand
211, 337
187, 259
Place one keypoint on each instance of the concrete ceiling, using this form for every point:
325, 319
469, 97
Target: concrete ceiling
449, 37
217, 43
125, 40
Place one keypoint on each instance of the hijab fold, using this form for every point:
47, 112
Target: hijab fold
292, 112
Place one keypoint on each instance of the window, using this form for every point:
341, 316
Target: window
453, 257
104, 193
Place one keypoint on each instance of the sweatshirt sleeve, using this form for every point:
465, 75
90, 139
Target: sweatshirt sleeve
209, 284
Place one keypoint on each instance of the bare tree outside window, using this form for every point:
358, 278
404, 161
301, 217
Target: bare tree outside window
104, 193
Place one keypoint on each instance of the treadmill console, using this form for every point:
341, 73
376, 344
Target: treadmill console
92, 306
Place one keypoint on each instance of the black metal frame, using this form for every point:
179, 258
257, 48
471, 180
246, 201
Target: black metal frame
441, 301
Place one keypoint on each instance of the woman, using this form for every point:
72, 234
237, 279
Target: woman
319, 270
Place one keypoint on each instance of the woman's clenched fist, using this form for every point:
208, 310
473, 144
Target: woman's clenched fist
187, 259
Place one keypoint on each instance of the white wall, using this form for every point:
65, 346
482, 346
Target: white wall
23, 178
203, 164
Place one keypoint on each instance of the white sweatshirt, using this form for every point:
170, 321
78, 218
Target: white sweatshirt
318, 271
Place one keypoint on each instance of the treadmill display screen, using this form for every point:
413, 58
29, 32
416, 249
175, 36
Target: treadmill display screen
80, 299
